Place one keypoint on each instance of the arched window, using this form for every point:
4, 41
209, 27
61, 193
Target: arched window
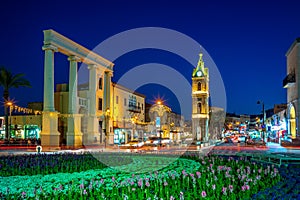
199, 86
199, 107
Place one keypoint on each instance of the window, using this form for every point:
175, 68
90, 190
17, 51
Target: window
199, 86
117, 99
125, 102
100, 104
199, 108
100, 83
142, 106
139, 105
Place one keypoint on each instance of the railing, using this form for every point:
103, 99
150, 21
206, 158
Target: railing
134, 108
289, 80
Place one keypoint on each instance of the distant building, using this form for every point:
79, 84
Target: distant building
291, 83
163, 122
216, 122
279, 108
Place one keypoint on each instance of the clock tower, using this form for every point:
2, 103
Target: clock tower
200, 95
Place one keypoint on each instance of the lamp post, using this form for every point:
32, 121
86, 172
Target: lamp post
107, 115
7, 127
134, 120
263, 122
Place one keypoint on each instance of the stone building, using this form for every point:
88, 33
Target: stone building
292, 83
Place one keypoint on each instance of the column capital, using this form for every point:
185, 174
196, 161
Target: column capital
74, 58
50, 47
92, 66
109, 73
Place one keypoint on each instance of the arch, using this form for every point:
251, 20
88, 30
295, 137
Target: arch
292, 121
199, 86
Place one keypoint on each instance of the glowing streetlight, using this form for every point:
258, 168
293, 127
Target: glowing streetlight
7, 126
263, 121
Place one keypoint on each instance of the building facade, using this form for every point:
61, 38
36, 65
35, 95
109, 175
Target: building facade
163, 122
292, 84
123, 117
200, 102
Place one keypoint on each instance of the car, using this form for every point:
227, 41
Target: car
257, 140
166, 141
286, 140
153, 140
227, 140
132, 145
241, 138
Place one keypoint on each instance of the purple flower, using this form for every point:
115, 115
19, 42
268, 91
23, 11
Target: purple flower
23, 194
147, 184
172, 198
213, 186
224, 190
165, 183
81, 186
198, 174
247, 187
230, 188
140, 182
84, 192
243, 188
203, 193
113, 179
133, 189
181, 193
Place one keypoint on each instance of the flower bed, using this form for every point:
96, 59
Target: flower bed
208, 177
57, 163
287, 188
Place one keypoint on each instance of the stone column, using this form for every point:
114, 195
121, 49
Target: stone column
106, 103
49, 134
92, 136
49, 77
74, 134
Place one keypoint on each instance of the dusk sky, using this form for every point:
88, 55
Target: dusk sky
247, 40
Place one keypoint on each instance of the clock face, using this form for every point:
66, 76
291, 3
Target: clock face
199, 73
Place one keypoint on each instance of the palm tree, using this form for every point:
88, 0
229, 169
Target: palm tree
7, 81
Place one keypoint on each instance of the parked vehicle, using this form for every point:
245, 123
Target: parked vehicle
132, 145
241, 138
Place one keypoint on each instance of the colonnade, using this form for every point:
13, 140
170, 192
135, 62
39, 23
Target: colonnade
50, 137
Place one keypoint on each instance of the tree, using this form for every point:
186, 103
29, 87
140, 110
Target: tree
8, 81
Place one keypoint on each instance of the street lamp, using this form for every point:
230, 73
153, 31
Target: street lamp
134, 120
263, 122
7, 126
107, 115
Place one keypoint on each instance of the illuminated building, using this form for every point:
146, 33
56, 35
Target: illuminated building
291, 83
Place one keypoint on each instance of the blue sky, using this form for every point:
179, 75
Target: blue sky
246, 39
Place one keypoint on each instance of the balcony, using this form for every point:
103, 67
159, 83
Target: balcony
134, 108
289, 80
